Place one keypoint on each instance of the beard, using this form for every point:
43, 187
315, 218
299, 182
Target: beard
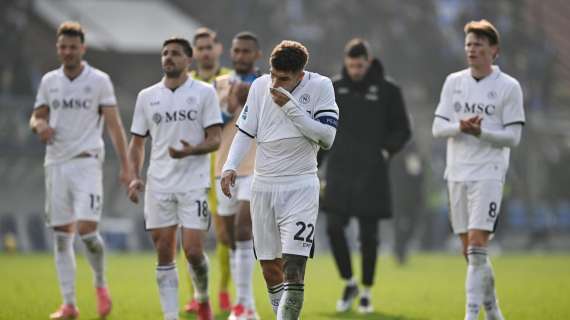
173, 73
243, 68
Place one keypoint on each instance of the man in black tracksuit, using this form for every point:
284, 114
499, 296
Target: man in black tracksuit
373, 128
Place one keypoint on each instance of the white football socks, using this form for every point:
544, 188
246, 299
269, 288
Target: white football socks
65, 265
95, 252
492, 310
275, 294
167, 279
291, 302
478, 277
244, 261
199, 274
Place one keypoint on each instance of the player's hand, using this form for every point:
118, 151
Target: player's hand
279, 98
135, 186
471, 126
125, 176
228, 180
237, 96
45, 132
180, 153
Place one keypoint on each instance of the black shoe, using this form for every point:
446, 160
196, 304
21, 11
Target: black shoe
348, 295
365, 306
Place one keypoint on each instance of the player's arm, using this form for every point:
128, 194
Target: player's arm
118, 138
238, 150
508, 136
444, 128
136, 160
39, 123
135, 153
444, 123
322, 129
211, 143
399, 132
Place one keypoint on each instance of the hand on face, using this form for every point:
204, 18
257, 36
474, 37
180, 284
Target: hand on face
279, 98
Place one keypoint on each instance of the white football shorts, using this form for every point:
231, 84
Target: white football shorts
187, 209
474, 204
74, 191
284, 217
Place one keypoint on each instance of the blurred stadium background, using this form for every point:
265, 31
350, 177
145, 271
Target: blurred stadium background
419, 42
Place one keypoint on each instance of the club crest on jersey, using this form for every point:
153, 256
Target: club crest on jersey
305, 98
373, 88
55, 104
492, 95
87, 89
190, 101
457, 106
157, 118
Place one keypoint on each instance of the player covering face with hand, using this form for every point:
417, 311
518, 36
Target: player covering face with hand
291, 113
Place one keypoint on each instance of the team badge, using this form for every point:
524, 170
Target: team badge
190, 101
87, 89
457, 106
305, 98
492, 95
157, 118
373, 89
55, 104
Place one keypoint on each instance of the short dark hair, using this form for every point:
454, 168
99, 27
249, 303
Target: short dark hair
290, 56
204, 32
247, 35
356, 48
182, 42
483, 28
71, 29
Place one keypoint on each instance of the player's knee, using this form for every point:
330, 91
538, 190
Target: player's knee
86, 227
194, 255
294, 268
272, 272
243, 232
478, 238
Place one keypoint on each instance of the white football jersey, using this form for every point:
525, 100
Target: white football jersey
74, 111
168, 117
496, 98
282, 150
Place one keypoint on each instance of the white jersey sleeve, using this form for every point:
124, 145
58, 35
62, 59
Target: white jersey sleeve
326, 109
41, 96
107, 97
249, 118
445, 106
139, 126
211, 109
513, 111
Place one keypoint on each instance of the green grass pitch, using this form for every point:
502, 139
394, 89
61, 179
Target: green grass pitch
430, 287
